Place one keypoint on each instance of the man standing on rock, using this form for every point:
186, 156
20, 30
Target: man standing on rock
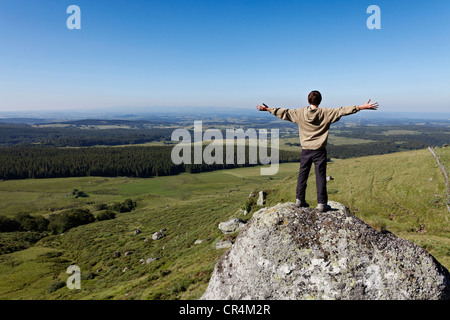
314, 126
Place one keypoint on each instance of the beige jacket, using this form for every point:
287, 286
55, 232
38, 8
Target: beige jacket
313, 124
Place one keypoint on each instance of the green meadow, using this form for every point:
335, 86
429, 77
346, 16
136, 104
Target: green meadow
403, 193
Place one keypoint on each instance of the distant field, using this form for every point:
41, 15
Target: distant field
86, 127
402, 192
396, 132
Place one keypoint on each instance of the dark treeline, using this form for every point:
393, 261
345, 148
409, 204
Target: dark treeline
414, 136
367, 149
32, 152
134, 161
26, 135
36, 162
419, 137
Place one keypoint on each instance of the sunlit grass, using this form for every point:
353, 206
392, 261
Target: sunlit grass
401, 192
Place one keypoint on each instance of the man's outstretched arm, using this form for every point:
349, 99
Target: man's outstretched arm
282, 113
335, 114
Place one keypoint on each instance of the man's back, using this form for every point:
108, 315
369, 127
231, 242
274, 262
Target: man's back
314, 123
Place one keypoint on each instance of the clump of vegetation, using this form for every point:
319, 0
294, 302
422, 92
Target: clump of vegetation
247, 206
23, 222
62, 222
106, 215
79, 194
8, 224
15, 241
125, 206
55, 285
101, 206
32, 223
379, 225
88, 275
249, 202
49, 256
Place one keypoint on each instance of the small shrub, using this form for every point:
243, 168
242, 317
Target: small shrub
64, 221
101, 206
8, 224
19, 240
179, 285
49, 256
125, 206
436, 201
247, 207
106, 215
129, 204
41, 223
380, 226
55, 285
31, 223
87, 275
79, 194
248, 204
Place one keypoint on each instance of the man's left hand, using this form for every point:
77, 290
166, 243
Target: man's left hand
370, 106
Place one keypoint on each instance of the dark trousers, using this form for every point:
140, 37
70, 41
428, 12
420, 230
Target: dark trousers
319, 158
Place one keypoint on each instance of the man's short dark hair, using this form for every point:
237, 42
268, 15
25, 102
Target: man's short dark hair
314, 98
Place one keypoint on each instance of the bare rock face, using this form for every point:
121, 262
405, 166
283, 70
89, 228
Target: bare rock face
288, 253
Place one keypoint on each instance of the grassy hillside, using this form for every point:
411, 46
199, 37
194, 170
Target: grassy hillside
401, 192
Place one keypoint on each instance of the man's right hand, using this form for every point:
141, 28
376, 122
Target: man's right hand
368, 105
262, 108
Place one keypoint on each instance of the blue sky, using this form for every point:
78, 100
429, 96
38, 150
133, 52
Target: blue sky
228, 53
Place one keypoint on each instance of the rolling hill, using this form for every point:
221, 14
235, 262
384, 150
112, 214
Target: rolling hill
402, 192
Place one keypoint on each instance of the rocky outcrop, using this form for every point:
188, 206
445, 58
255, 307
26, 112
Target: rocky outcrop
158, 235
261, 198
232, 225
285, 252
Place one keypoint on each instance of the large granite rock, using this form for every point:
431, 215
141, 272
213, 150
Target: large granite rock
290, 253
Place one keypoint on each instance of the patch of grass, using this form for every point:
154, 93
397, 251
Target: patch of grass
19, 240
55, 285
400, 131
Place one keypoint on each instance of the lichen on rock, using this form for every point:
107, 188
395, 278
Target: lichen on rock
285, 252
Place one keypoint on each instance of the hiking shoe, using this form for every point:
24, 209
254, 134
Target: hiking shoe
301, 204
323, 207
